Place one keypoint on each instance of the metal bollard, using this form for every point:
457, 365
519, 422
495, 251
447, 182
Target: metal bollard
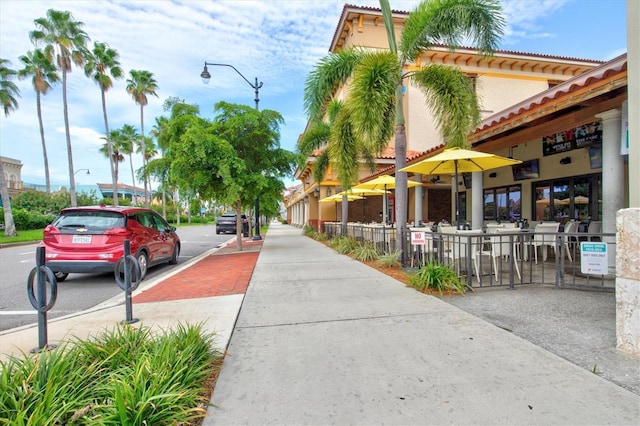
40, 276
129, 284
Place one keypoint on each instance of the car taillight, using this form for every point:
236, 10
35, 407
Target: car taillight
50, 233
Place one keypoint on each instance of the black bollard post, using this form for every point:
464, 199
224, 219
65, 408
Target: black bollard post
130, 264
40, 276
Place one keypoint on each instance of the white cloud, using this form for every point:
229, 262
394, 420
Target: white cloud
276, 41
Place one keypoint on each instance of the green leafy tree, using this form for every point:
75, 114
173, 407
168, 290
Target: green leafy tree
43, 74
376, 79
139, 86
64, 43
9, 94
102, 66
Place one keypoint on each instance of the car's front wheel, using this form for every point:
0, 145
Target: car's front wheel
143, 262
176, 253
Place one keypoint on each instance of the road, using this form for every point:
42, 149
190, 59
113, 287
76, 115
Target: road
81, 291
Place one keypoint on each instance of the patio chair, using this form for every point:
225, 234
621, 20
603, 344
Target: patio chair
501, 248
543, 241
569, 241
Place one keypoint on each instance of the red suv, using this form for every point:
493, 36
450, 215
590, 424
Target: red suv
91, 239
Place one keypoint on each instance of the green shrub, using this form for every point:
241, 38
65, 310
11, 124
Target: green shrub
436, 276
344, 245
390, 260
118, 377
365, 252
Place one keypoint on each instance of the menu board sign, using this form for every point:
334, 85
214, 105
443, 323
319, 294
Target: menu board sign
578, 137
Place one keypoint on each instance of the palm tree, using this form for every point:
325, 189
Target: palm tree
139, 86
159, 132
65, 41
129, 137
9, 93
102, 64
148, 150
112, 149
43, 73
376, 79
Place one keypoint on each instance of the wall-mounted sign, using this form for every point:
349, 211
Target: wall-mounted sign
578, 137
594, 258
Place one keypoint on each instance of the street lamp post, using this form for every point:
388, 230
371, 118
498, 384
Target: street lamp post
206, 76
79, 170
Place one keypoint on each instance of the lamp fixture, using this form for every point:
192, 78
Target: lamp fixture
565, 160
435, 179
328, 192
79, 170
316, 192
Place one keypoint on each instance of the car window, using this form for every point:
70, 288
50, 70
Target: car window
160, 224
91, 220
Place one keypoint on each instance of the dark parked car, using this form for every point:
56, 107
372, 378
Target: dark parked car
226, 223
91, 239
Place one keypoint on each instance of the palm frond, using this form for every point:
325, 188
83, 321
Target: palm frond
372, 98
332, 71
315, 137
450, 22
451, 98
321, 166
344, 148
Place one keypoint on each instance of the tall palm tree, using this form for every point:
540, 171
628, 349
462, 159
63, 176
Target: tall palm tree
376, 79
159, 132
43, 74
147, 148
139, 86
64, 41
112, 149
102, 64
129, 137
9, 94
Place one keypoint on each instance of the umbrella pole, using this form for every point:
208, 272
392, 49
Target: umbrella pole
457, 197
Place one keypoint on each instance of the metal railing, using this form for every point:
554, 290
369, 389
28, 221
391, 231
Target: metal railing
508, 258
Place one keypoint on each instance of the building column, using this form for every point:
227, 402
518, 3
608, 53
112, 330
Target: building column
612, 179
477, 201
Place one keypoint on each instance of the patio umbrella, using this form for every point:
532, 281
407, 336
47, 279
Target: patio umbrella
457, 160
363, 193
383, 182
335, 198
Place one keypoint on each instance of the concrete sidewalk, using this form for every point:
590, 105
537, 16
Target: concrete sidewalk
324, 339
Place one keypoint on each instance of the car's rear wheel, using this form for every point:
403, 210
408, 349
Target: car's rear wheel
60, 276
143, 262
176, 253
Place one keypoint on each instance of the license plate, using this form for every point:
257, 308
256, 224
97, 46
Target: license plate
82, 239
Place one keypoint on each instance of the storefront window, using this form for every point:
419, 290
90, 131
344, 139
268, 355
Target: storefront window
573, 198
503, 203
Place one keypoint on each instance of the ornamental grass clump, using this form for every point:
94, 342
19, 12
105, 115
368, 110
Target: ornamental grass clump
344, 245
123, 376
365, 252
439, 277
390, 260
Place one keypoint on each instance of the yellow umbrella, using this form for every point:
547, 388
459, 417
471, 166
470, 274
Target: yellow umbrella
336, 198
363, 193
457, 160
383, 182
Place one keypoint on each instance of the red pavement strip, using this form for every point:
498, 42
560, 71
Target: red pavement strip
214, 275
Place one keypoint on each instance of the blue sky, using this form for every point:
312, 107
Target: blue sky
276, 41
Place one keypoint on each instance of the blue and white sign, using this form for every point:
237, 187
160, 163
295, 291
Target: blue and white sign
594, 258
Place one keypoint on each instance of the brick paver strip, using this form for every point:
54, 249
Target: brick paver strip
215, 275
